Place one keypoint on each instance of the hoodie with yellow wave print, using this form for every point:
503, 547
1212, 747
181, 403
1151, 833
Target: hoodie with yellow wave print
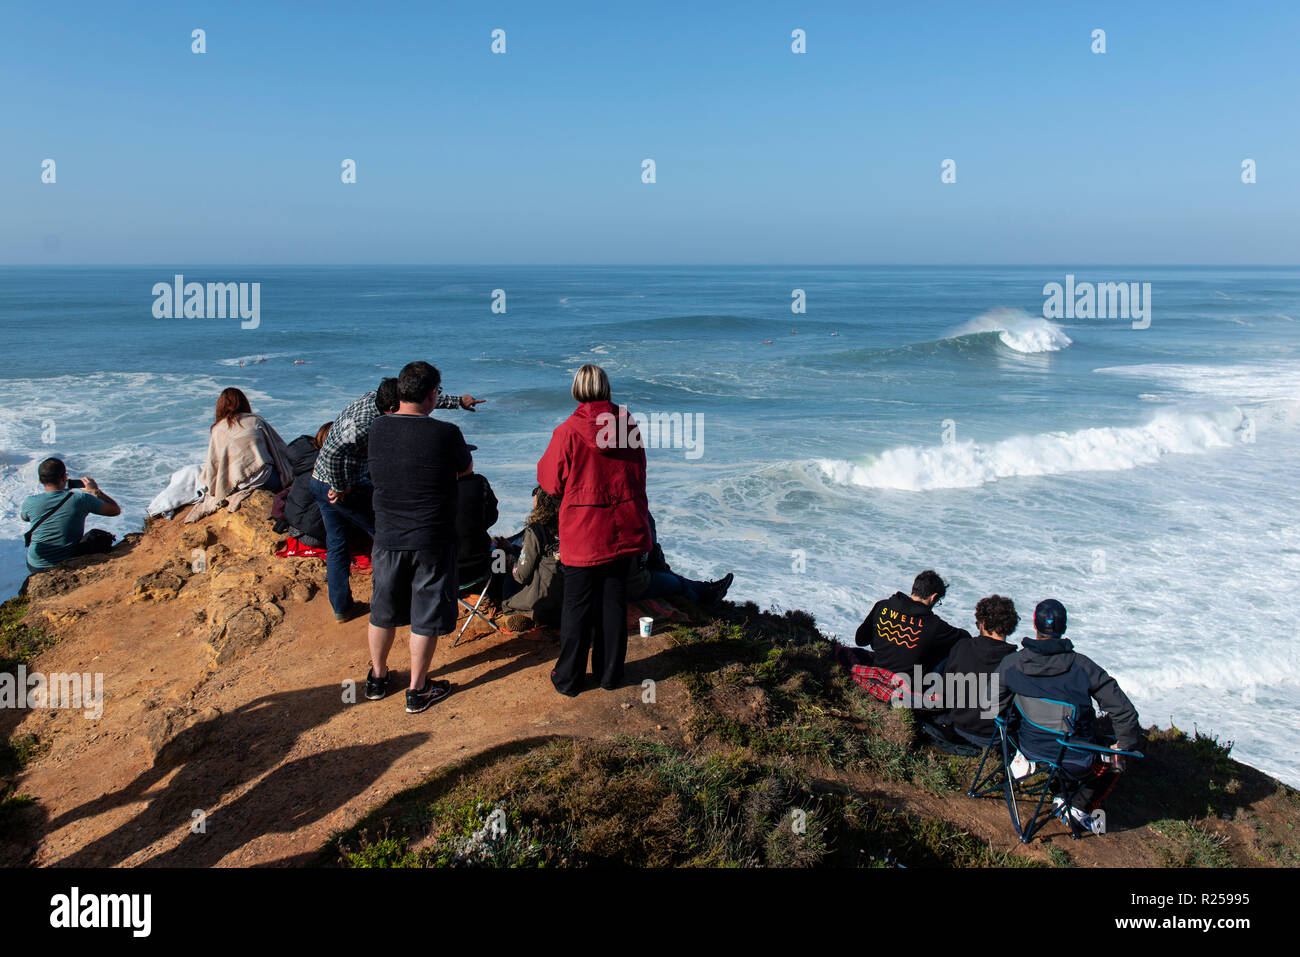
903, 631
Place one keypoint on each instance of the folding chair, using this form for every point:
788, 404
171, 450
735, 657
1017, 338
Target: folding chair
479, 585
1051, 775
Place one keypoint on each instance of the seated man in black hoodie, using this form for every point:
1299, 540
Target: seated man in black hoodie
476, 512
299, 513
971, 692
906, 634
1047, 666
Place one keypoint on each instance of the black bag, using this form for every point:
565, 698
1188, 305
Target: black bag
96, 542
27, 535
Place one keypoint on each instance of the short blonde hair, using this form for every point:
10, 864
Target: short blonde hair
590, 384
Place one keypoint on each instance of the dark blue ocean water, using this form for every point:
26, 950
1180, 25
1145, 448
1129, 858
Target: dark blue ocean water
911, 417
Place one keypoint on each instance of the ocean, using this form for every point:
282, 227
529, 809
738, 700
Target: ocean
1141, 471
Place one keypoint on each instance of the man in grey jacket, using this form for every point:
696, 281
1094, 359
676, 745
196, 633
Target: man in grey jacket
1047, 666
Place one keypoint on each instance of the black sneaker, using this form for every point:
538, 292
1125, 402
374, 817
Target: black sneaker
377, 688
430, 694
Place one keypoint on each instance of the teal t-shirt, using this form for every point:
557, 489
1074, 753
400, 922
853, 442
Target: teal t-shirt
57, 538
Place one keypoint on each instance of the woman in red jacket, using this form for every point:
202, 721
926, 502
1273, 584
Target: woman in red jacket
596, 462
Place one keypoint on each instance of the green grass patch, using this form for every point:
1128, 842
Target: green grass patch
771, 684
1059, 857
1191, 844
19, 642
631, 803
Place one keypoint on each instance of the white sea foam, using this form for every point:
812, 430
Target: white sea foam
255, 359
86, 418
971, 464
1277, 381
1017, 330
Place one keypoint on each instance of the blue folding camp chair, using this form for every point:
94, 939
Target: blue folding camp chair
1059, 773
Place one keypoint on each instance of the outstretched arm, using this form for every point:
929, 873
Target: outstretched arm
466, 402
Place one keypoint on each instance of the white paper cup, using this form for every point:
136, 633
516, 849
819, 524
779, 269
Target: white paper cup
647, 625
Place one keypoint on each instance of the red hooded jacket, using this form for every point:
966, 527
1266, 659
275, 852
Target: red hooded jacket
595, 461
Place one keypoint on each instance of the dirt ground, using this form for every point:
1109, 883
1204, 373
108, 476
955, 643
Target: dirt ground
264, 752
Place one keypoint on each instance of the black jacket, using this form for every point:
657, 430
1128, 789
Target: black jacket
1051, 668
979, 656
476, 512
300, 509
904, 632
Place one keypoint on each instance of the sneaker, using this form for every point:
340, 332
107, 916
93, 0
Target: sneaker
1081, 817
377, 688
1021, 766
430, 694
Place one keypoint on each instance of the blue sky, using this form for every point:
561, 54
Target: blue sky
762, 155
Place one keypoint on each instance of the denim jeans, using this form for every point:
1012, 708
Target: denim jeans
354, 511
670, 583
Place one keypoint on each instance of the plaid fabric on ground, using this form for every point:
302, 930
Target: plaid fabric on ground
879, 683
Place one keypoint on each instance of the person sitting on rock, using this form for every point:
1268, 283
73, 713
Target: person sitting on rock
651, 577
58, 517
537, 569
969, 674
244, 453
905, 634
298, 510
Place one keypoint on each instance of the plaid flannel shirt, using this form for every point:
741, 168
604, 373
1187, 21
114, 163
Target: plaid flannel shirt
341, 463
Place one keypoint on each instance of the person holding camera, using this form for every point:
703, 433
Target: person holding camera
58, 517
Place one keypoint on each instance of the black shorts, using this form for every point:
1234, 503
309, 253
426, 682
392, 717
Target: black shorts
416, 588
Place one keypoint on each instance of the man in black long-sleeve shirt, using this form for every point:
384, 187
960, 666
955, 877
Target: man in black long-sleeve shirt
904, 630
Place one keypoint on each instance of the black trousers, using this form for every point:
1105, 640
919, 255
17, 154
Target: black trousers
593, 620
1097, 784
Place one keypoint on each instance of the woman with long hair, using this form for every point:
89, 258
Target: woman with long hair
596, 462
244, 453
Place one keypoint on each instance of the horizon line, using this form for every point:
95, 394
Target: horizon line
666, 265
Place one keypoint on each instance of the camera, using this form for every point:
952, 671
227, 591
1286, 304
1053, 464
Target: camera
76, 483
